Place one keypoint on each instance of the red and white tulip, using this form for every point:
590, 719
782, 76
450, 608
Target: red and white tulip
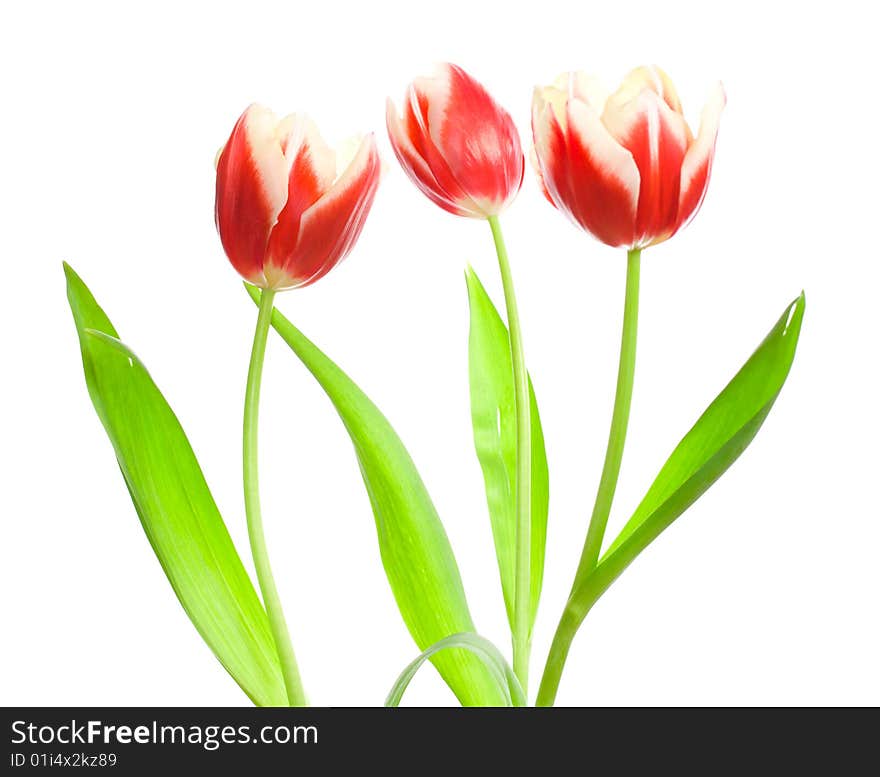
626, 168
457, 144
288, 208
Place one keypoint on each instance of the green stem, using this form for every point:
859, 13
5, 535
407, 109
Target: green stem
619, 420
522, 576
583, 589
579, 604
289, 670
565, 631
575, 611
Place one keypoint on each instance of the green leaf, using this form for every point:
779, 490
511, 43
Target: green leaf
415, 550
175, 507
483, 649
493, 414
717, 439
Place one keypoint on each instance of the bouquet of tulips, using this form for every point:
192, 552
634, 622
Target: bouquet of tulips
626, 168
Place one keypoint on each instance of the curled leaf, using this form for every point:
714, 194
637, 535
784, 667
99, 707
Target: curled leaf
483, 649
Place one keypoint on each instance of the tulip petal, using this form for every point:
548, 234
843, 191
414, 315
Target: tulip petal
312, 172
648, 77
475, 136
605, 181
411, 159
697, 165
251, 190
329, 228
550, 152
657, 137
302, 139
583, 87
425, 95
586, 173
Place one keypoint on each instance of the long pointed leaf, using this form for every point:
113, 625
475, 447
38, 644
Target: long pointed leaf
415, 550
493, 415
175, 507
482, 648
717, 439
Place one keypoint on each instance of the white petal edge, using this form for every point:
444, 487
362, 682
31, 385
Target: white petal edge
615, 160
464, 206
261, 136
348, 178
280, 279
703, 146
436, 90
619, 118
295, 132
650, 77
585, 87
400, 139
553, 97
543, 112
351, 173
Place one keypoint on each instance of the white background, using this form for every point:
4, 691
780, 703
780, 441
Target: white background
765, 592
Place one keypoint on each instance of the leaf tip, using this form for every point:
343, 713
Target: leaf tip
795, 314
474, 284
70, 274
253, 291
470, 276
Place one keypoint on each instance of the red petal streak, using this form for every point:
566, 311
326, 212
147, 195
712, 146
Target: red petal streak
246, 204
476, 138
448, 191
552, 153
330, 227
406, 141
603, 178
549, 144
305, 186
657, 138
692, 197
697, 165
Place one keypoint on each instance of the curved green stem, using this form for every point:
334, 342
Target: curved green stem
586, 589
289, 670
522, 575
619, 420
565, 631
579, 605
575, 611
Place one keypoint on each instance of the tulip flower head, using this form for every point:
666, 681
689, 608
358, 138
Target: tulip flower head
457, 145
626, 168
288, 208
